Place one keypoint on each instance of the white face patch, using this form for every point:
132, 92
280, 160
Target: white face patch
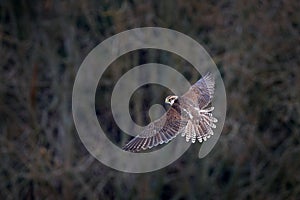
171, 99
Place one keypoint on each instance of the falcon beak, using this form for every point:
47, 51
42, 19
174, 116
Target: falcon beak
166, 101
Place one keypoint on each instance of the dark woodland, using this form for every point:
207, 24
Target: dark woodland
255, 45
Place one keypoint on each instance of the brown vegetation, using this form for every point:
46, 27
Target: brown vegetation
256, 46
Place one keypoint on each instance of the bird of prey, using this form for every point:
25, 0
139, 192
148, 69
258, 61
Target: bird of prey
189, 115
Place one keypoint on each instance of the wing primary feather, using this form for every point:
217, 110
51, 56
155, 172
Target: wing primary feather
160, 139
164, 137
146, 144
169, 134
150, 142
156, 140
134, 143
140, 143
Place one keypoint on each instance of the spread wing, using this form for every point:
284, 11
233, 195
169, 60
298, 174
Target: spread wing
197, 99
201, 93
158, 132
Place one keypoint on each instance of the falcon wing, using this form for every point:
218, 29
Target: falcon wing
201, 93
158, 132
198, 97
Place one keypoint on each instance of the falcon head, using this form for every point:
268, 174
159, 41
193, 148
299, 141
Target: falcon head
171, 99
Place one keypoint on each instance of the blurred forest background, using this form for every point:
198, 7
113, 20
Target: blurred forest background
256, 46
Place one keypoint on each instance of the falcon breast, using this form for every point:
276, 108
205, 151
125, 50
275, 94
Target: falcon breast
189, 115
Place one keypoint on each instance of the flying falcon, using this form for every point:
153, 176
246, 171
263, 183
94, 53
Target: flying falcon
189, 115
